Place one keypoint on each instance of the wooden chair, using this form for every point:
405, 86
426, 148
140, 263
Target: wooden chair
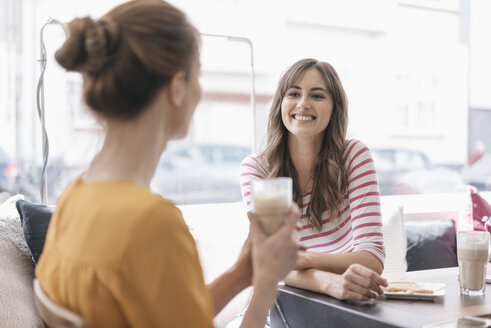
54, 315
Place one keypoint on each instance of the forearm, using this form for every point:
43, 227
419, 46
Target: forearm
338, 263
261, 302
357, 283
226, 287
311, 279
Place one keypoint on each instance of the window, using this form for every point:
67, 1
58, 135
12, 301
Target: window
418, 94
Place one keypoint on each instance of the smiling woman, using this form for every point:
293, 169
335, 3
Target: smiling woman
320, 140
334, 183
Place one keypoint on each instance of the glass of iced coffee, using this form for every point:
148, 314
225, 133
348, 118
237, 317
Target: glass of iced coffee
472, 254
272, 199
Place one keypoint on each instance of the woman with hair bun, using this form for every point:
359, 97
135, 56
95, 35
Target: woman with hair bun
334, 183
115, 253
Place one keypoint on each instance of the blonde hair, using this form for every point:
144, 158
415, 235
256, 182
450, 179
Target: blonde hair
330, 178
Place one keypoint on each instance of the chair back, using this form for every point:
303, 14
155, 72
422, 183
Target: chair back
54, 315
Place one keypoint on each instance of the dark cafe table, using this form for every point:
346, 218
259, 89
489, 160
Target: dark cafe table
301, 308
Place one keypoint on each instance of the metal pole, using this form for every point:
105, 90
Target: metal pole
41, 110
253, 79
42, 62
465, 38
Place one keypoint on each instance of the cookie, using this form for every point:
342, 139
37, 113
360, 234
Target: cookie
406, 286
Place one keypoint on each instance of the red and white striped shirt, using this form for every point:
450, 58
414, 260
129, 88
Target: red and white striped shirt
359, 227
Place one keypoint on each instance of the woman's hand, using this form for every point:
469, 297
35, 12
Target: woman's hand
357, 283
274, 256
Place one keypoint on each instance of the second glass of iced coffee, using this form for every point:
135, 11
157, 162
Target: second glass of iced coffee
472, 254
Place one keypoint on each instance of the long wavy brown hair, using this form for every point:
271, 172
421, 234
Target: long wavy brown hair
329, 175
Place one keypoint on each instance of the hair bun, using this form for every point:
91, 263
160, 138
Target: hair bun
90, 44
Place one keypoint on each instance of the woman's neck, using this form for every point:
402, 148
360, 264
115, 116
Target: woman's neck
131, 149
303, 154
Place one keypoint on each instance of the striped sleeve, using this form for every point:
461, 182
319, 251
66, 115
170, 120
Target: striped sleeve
251, 169
364, 200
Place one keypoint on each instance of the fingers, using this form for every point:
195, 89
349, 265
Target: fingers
374, 279
366, 279
294, 215
291, 223
372, 275
251, 216
382, 281
358, 292
348, 293
256, 232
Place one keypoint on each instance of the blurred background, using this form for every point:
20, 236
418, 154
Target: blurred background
417, 74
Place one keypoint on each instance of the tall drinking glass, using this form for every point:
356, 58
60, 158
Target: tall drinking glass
272, 199
472, 254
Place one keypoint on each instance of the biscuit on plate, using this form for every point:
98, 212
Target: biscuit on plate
406, 286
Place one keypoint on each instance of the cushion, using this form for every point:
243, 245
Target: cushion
35, 221
477, 208
17, 308
394, 239
431, 244
4, 196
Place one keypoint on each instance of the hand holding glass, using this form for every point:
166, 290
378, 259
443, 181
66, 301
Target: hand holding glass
272, 199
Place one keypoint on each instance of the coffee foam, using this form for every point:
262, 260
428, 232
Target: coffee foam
260, 194
472, 242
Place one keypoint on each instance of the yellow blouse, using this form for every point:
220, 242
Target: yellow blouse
121, 256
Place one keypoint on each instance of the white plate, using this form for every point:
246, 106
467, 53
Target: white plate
438, 290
